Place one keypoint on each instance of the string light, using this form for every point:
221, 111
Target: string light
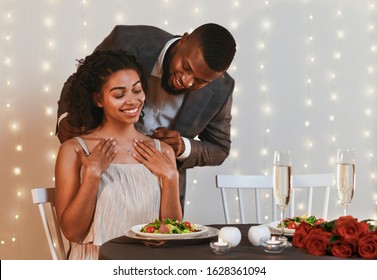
369, 142
17, 171
234, 154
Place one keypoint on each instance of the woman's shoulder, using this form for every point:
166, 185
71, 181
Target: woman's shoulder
74, 142
157, 143
165, 147
69, 143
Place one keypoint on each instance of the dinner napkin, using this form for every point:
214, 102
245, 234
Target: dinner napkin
257, 232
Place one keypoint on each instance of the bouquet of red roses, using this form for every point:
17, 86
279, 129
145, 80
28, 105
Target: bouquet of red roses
344, 237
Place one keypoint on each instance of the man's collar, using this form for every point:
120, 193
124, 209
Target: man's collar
157, 68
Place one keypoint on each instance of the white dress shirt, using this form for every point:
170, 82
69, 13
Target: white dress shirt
161, 108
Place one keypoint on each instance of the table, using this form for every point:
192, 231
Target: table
125, 248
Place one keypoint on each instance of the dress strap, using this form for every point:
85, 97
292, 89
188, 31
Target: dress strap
83, 145
157, 144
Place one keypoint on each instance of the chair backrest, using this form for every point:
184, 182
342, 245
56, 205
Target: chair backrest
45, 199
311, 182
241, 182
259, 182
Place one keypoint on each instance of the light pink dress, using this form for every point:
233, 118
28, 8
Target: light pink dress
128, 195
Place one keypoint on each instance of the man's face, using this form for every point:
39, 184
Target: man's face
185, 69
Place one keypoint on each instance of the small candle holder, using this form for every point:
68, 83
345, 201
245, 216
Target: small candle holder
220, 247
273, 244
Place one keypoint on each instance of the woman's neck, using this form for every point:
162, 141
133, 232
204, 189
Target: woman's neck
116, 131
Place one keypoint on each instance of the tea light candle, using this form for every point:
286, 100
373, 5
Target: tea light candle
221, 243
220, 247
273, 241
273, 244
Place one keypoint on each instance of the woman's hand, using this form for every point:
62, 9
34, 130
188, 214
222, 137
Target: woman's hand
160, 164
99, 159
163, 166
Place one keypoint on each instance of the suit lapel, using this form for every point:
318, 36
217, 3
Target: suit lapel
191, 109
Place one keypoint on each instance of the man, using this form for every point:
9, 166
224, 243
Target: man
190, 92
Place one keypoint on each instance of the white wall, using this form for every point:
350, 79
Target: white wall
40, 40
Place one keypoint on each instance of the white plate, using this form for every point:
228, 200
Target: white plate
136, 230
287, 231
186, 239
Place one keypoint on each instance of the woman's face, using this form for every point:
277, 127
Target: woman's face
122, 97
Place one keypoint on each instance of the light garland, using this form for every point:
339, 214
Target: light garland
8, 81
370, 96
308, 98
265, 91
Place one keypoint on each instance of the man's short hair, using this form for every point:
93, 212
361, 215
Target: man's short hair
217, 44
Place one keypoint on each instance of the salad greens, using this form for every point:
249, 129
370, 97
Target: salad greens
169, 226
311, 220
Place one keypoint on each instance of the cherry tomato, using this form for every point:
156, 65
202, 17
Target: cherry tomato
150, 229
320, 221
187, 224
292, 225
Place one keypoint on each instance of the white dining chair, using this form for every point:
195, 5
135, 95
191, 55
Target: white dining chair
240, 183
45, 199
256, 183
309, 182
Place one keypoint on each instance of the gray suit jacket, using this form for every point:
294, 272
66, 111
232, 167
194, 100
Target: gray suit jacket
205, 113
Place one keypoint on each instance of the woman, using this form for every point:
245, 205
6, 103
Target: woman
112, 177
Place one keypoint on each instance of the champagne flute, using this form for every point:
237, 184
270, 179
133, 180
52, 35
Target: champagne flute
282, 183
345, 177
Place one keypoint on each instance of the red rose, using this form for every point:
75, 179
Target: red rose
349, 228
342, 248
367, 245
317, 241
300, 235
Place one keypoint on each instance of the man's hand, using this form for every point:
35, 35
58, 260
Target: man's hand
67, 131
171, 137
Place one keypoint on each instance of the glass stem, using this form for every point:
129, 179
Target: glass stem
345, 211
282, 222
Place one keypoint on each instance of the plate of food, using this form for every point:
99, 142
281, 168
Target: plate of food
290, 224
276, 227
168, 229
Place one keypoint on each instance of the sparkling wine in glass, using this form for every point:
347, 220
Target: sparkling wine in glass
282, 182
345, 177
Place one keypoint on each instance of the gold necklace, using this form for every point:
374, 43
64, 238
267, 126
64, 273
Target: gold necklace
118, 147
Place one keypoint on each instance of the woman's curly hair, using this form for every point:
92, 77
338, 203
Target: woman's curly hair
92, 73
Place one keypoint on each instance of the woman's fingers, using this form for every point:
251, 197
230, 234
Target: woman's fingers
143, 149
158, 163
104, 144
112, 155
80, 154
105, 150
